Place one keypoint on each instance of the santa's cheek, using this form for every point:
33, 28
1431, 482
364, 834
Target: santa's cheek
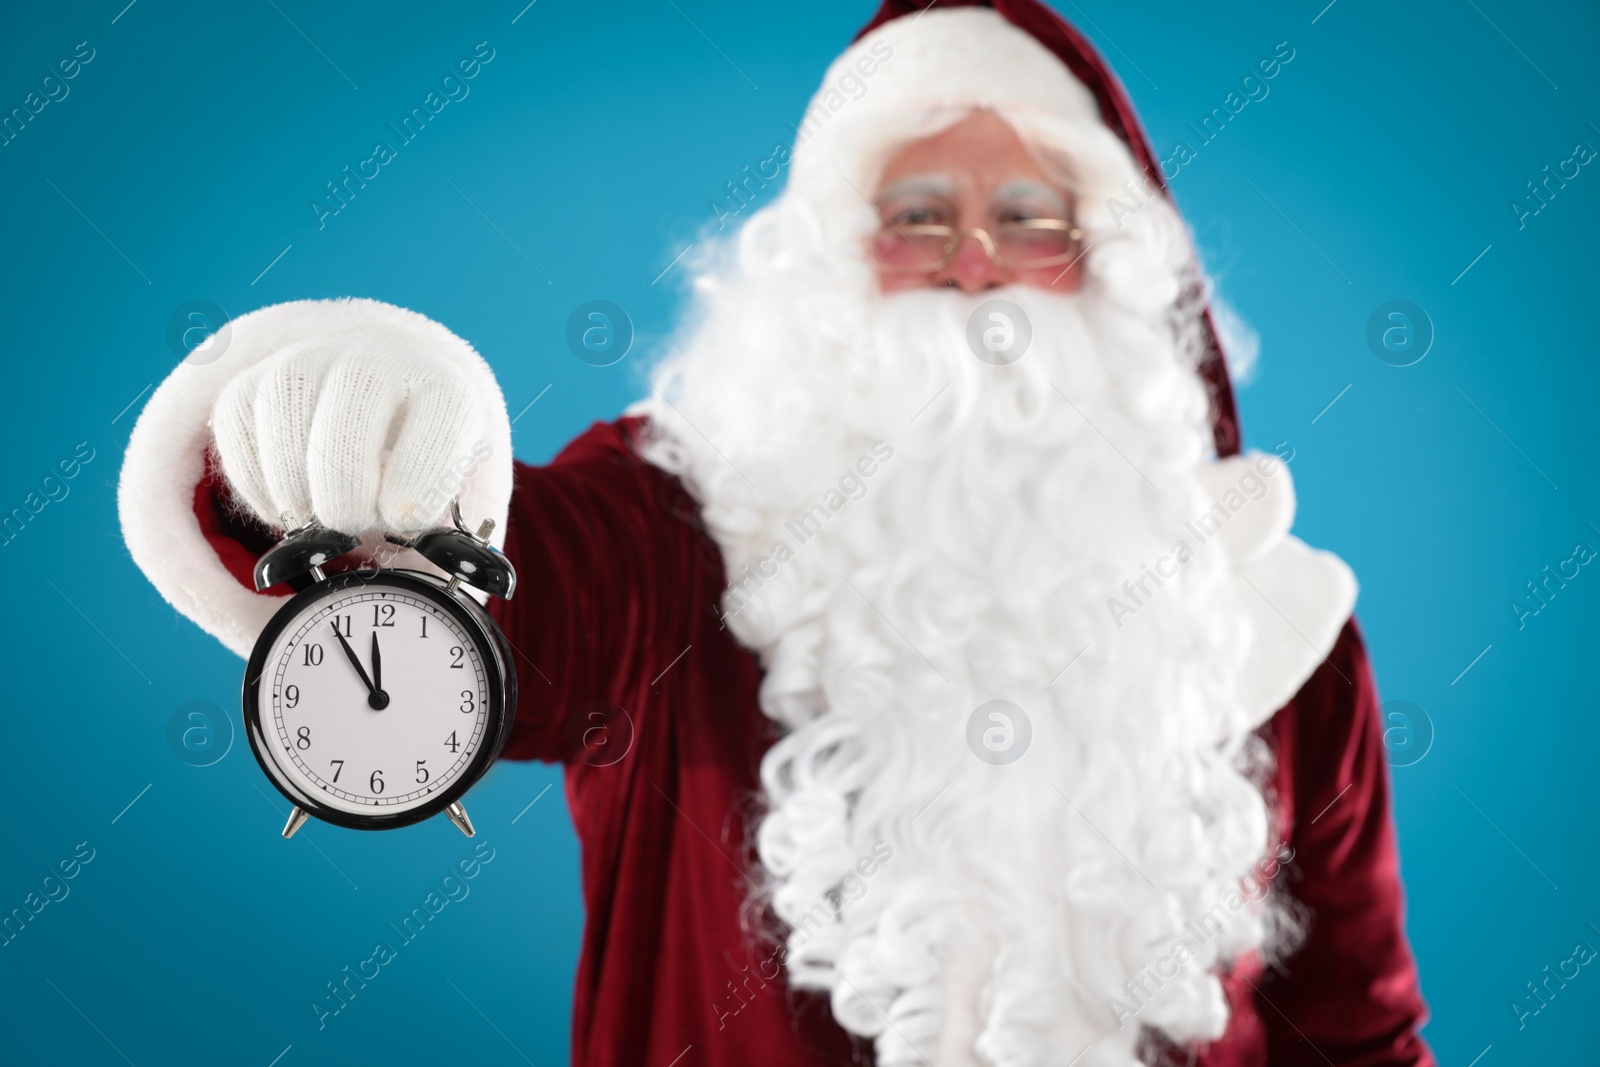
897, 283
1056, 279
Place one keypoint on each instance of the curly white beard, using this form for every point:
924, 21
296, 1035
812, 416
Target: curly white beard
974, 562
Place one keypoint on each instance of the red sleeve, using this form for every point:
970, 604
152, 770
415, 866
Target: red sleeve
611, 557
1349, 995
237, 537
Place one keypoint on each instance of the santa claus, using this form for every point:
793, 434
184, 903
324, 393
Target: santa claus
936, 683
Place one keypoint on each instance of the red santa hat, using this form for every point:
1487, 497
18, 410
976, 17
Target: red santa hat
1017, 57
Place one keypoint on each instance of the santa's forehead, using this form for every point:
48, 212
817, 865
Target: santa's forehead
936, 184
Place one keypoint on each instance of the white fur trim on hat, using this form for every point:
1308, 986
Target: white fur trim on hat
1298, 598
167, 452
931, 64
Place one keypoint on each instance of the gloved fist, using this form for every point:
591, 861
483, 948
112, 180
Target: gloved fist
364, 416
355, 430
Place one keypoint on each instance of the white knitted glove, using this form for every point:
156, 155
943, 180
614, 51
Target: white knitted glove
352, 430
365, 416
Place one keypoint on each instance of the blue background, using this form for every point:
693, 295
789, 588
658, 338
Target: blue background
1382, 164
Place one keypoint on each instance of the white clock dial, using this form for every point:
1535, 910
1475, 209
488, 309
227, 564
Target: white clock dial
373, 735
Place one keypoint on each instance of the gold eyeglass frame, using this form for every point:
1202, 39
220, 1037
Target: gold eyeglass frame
957, 237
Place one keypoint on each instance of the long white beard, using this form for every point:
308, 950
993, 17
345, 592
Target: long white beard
911, 533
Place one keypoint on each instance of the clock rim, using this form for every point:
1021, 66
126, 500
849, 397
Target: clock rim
502, 687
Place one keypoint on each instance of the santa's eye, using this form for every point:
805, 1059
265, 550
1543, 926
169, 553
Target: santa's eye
1023, 211
1025, 200
1017, 214
920, 213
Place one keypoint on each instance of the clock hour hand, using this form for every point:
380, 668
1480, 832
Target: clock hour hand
377, 699
377, 664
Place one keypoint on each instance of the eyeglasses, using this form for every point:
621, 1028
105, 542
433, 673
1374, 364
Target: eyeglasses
1022, 245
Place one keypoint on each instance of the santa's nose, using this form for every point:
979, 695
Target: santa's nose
973, 270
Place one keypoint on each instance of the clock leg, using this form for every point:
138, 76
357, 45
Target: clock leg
458, 815
297, 819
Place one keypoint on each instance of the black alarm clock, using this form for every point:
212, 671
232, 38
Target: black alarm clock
376, 697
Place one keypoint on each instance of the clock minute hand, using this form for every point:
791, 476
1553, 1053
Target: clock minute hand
377, 664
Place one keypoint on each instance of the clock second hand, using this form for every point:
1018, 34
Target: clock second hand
377, 699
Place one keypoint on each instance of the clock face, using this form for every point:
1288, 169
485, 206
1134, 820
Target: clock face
374, 698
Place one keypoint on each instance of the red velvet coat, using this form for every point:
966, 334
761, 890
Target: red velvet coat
617, 626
